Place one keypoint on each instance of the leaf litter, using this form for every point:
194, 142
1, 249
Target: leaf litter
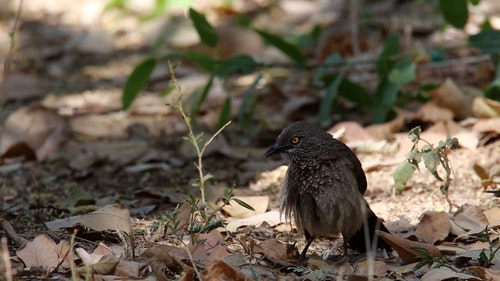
258, 245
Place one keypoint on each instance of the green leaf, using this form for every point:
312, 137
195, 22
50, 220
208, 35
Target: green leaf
431, 161
455, 12
402, 174
203, 61
137, 81
474, 2
225, 113
329, 63
414, 157
248, 103
202, 96
331, 93
488, 41
206, 32
414, 134
242, 64
385, 97
355, 93
243, 204
403, 72
290, 50
390, 49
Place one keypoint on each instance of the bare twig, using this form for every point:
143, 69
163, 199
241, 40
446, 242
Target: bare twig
11, 233
6, 66
6, 259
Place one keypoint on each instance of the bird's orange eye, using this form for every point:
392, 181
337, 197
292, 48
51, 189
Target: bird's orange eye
295, 140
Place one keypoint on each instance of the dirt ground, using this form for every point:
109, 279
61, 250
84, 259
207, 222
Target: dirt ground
69, 66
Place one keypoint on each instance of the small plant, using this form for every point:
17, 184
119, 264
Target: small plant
487, 256
427, 259
433, 156
203, 216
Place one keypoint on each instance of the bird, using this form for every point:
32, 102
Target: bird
323, 189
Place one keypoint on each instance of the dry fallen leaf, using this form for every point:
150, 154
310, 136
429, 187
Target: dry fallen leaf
275, 251
485, 273
44, 252
219, 270
447, 274
406, 248
272, 218
110, 217
430, 112
450, 96
470, 218
485, 108
433, 227
370, 268
159, 256
41, 129
492, 215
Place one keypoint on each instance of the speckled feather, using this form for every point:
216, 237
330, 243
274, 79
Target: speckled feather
324, 184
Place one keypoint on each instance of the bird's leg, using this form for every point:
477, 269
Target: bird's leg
345, 248
309, 239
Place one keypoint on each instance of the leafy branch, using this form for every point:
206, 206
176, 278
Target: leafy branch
432, 156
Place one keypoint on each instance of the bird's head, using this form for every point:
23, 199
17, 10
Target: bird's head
299, 140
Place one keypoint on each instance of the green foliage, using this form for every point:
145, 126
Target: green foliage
455, 12
393, 74
289, 49
488, 41
393, 68
207, 33
331, 93
487, 256
137, 81
433, 157
391, 48
436, 262
203, 216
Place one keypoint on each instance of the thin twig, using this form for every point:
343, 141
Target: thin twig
192, 262
6, 259
6, 66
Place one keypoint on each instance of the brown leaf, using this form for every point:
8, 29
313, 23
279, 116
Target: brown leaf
450, 96
42, 130
275, 251
182, 218
447, 274
433, 227
272, 218
110, 217
352, 132
430, 112
219, 270
370, 268
470, 218
492, 215
100, 264
485, 273
44, 252
406, 248
160, 254
486, 108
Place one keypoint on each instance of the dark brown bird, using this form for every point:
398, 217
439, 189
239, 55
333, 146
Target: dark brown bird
323, 189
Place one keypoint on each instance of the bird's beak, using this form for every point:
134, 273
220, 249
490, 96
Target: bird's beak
275, 148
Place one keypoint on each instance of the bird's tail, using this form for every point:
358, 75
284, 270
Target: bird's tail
365, 239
